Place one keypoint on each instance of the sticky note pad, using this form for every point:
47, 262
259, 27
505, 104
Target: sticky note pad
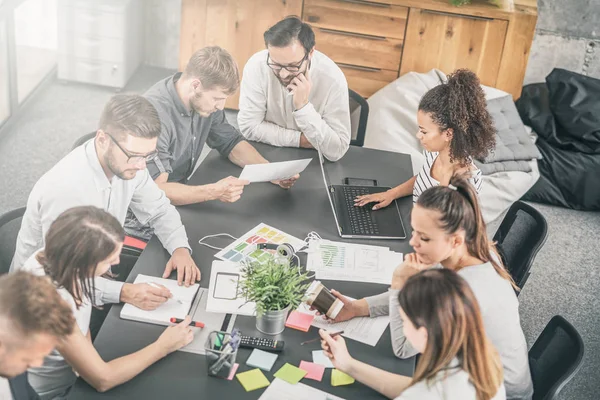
314, 371
300, 321
338, 378
233, 371
253, 379
290, 373
321, 359
261, 359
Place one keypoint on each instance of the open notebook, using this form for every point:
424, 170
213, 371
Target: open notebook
172, 308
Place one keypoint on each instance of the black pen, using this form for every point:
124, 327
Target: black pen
319, 338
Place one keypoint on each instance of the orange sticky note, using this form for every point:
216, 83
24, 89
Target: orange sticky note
300, 321
315, 371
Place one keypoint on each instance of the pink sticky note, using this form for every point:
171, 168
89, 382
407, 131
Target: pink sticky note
300, 321
233, 371
315, 371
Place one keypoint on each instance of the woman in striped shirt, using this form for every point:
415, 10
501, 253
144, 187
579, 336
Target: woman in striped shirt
454, 127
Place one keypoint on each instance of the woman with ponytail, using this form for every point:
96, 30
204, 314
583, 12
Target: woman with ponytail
448, 229
454, 127
442, 321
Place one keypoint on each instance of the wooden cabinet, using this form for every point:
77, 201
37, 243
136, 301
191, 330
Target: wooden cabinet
375, 41
235, 25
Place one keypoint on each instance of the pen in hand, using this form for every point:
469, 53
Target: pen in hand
319, 338
158, 287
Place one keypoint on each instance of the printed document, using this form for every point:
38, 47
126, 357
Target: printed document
273, 171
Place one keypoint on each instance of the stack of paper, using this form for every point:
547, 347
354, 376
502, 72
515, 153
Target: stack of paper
282, 390
352, 262
223, 292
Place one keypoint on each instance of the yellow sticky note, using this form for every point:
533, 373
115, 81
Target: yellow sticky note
290, 373
338, 378
253, 379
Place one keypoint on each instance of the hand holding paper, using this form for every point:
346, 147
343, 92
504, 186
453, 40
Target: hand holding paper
276, 171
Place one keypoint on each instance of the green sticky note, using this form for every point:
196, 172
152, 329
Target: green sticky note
290, 373
338, 378
253, 379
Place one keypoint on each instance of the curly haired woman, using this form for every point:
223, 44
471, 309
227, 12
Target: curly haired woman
454, 127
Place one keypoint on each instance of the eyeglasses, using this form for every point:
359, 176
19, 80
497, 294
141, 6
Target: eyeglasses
133, 158
290, 68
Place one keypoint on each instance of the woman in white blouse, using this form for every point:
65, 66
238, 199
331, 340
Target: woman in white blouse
81, 244
454, 127
442, 321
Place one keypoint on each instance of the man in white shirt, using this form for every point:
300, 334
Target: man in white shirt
110, 172
33, 319
293, 95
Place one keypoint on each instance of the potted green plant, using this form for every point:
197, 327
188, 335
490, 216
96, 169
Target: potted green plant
276, 286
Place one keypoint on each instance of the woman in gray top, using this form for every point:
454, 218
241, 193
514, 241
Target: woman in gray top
448, 229
442, 321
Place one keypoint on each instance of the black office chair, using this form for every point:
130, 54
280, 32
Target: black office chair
83, 139
10, 224
521, 235
359, 113
555, 358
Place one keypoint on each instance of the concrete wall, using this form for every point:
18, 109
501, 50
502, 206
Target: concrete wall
567, 36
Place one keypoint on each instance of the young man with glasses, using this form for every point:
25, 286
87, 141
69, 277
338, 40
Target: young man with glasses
293, 95
110, 172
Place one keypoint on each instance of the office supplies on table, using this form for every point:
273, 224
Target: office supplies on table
339, 378
290, 373
233, 371
320, 358
253, 379
223, 296
274, 171
313, 371
282, 390
171, 308
300, 321
221, 350
319, 338
362, 329
361, 222
265, 344
196, 324
261, 359
245, 248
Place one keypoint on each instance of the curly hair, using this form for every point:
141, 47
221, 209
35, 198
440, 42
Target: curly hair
459, 104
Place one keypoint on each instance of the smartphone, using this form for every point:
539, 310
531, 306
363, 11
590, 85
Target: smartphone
360, 182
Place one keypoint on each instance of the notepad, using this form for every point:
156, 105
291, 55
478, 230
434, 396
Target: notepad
261, 359
321, 359
313, 371
172, 308
290, 373
300, 321
338, 378
233, 371
253, 379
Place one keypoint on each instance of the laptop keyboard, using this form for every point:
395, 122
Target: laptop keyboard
361, 220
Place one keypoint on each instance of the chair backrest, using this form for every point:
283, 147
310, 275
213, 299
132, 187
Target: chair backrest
359, 113
555, 358
83, 139
10, 224
521, 235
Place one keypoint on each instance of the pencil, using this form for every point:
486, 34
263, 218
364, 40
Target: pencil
319, 338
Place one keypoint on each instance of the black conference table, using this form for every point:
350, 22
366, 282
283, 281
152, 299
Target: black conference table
298, 211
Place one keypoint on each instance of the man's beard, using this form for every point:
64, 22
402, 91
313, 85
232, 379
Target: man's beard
109, 161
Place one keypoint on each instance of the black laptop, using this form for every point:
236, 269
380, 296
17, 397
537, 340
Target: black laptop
362, 222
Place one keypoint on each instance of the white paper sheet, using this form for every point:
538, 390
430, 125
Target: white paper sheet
273, 171
222, 290
364, 329
352, 262
282, 390
172, 308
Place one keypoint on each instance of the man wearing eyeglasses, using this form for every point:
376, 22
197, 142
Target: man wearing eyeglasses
110, 172
292, 95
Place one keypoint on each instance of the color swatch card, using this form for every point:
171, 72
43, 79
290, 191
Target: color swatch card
320, 358
338, 378
300, 321
253, 379
290, 373
261, 359
244, 248
313, 371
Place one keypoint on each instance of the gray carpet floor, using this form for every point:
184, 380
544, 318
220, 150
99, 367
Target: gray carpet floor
565, 278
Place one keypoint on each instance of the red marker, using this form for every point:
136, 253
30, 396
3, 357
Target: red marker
197, 324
